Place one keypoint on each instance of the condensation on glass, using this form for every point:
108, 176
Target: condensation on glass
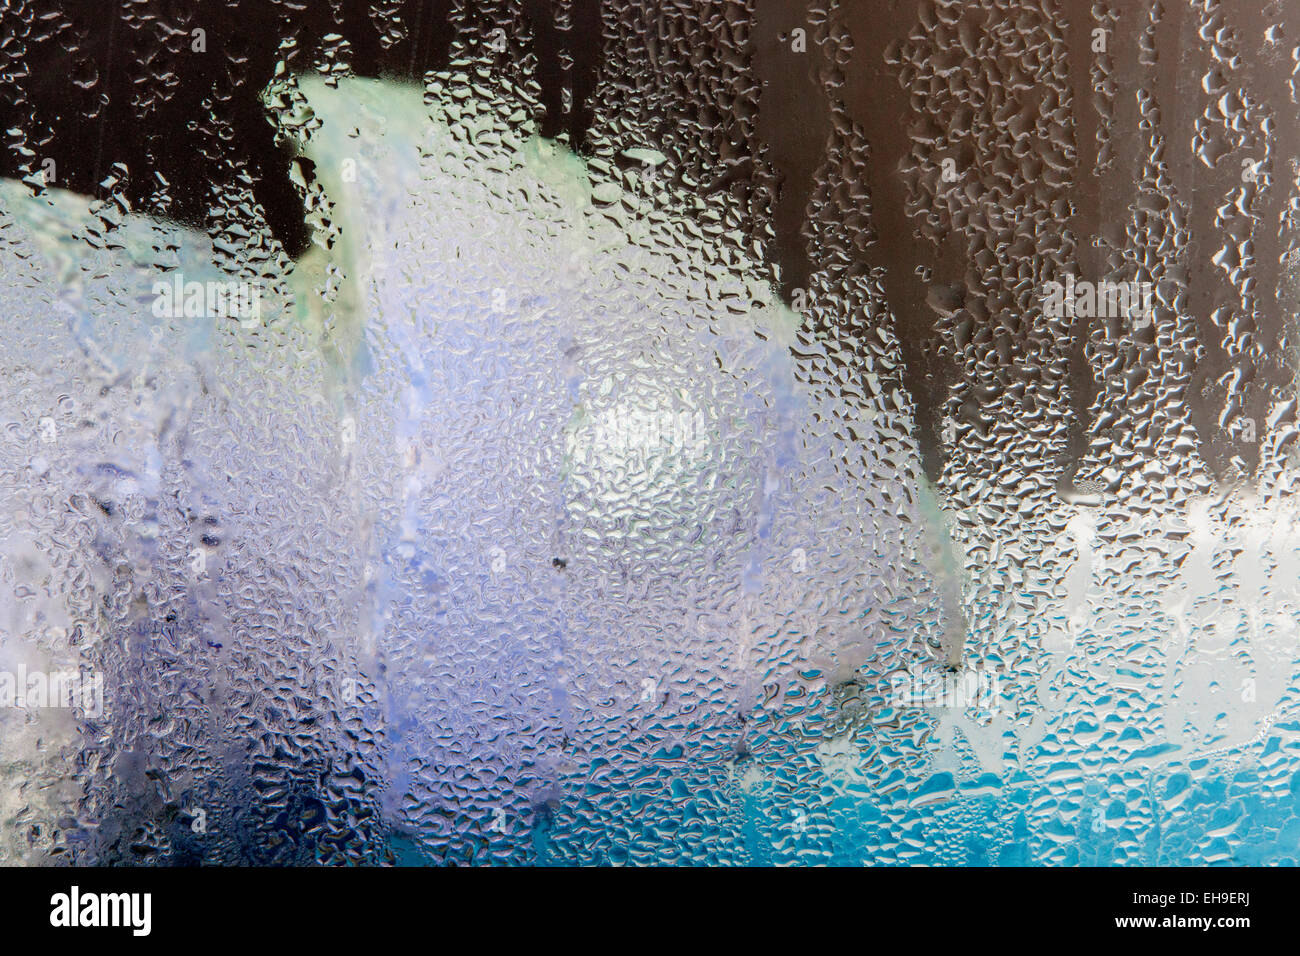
628, 432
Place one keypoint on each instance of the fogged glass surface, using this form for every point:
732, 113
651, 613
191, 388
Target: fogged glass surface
636, 433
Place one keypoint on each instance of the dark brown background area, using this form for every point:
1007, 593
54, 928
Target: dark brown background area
91, 83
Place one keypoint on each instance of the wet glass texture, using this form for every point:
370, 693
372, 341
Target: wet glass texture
630, 432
